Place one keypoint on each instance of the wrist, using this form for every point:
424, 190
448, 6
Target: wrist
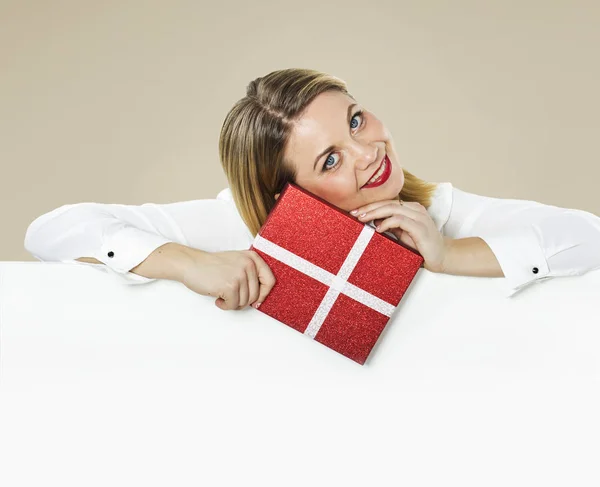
178, 259
447, 255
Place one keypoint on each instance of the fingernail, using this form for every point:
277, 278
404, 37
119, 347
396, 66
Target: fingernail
362, 214
377, 228
354, 212
256, 305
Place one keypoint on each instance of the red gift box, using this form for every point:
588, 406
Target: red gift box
338, 281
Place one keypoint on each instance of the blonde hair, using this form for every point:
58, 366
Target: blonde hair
255, 133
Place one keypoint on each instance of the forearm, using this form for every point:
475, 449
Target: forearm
166, 262
470, 257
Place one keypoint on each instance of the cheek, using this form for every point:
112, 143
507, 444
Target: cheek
381, 132
377, 131
338, 187
335, 186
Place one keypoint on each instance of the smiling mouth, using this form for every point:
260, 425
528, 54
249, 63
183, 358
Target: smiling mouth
379, 172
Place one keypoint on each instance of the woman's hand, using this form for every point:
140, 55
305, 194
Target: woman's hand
236, 278
410, 223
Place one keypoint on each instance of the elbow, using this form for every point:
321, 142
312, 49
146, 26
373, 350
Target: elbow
33, 244
30, 242
39, 234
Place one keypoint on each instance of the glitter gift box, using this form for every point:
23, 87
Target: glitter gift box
338, 281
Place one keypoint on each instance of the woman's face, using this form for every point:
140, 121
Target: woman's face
336, 151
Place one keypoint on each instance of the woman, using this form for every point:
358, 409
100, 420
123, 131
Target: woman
304, 127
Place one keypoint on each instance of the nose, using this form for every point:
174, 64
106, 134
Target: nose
365, 156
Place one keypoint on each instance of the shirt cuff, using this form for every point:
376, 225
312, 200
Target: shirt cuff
123, 250
521, 256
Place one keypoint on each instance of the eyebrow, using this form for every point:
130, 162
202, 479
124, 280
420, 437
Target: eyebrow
331, 147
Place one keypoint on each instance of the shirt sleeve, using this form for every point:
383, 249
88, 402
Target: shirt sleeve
123, 236
531, 241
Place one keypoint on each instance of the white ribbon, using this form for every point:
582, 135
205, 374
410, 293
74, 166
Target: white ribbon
337, 283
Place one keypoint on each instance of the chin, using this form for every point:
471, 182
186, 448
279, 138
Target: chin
395, 184
398, 181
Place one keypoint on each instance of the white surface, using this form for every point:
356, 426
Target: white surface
107, 384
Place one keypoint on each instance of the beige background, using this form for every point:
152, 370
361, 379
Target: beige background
123, 101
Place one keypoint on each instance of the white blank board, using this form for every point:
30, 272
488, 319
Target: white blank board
107, 384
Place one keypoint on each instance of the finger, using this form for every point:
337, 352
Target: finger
388, 211
265, 277
370, 206
377, 204
416, 206
243, 292
253, 284
224, 302
232, 296
220, 303
405, 223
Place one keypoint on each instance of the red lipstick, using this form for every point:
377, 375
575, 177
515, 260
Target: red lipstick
384, 177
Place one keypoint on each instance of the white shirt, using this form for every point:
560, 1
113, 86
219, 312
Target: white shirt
531, 241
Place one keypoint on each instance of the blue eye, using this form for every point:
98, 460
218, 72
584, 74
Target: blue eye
359, 113
325, 166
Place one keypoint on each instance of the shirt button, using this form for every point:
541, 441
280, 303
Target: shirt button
112, 254
535, 270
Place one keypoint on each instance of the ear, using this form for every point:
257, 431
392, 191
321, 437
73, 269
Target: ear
276, 196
